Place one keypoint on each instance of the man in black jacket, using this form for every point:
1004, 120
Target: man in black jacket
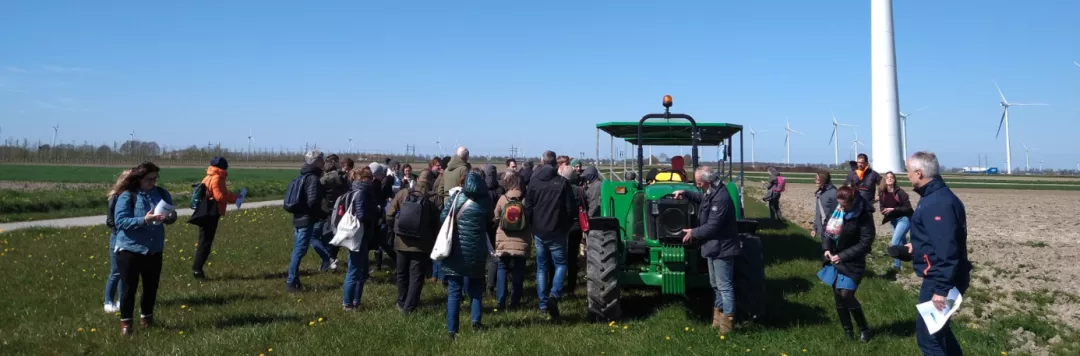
304, 223
718, 235
865, 179
549, 203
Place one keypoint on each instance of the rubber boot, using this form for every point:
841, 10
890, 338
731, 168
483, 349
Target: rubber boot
860, 320
125, 328
845, 320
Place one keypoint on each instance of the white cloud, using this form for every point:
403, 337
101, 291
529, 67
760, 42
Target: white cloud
61, 69
15, 69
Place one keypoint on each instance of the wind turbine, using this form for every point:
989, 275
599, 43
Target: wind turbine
250, 138
438, 143
1027, 156
1040, 166
350, 145
56, 130
1005, 122
903, 129
835, 140
855, 144
1077, 64
787, 139
753, 140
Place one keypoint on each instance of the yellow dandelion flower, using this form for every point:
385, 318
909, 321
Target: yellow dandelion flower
747, 350
721, 337
183, 306
612, 323
686, 328
79, 330
624, 327
1004, 353
311, 323
91, 257
262, 354
270, 349
320, 320
668, 337
803, 350
496, 310
181, 332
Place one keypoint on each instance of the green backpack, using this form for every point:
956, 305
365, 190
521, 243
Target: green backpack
513, 216
198, 193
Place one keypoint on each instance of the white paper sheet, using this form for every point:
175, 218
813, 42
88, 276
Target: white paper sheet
162, 208
935, 319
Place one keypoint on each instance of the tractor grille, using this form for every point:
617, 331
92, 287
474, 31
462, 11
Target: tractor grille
667, 219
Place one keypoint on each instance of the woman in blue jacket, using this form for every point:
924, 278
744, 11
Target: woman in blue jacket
112, 282
140, 240
464, 267
366, 209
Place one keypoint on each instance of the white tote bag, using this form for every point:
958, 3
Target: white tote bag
444, 241
350, 231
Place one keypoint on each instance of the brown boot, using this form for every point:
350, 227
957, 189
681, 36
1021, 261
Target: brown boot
716, 316
726, 323
146, 320
125, 328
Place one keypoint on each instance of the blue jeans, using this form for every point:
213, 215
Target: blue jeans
721, 273
900, 228
550, 246
475, 288
112, 282
300, 246
517, 273
941, 343
436, 271
356, 276
320, 243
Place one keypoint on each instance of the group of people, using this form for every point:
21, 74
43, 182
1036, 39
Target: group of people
498, 218
844, 221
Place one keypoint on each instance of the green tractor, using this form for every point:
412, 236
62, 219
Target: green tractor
637, 240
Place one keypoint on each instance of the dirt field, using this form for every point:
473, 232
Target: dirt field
1024, 244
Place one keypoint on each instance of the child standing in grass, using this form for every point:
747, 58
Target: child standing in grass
112, 282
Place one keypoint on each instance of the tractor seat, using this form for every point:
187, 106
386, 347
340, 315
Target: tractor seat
670, 176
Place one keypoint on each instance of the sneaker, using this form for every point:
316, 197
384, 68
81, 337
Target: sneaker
453, 335
333, 264
325, 266
199, 275
111, 308
477, 326
350, 308
292, 288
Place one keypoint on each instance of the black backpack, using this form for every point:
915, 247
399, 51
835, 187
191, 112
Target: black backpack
295, 196
413, 216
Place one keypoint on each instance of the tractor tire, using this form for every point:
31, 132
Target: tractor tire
603, 275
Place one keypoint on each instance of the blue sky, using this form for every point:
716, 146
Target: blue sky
491, 74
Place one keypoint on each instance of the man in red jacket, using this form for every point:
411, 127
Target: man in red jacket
218, 192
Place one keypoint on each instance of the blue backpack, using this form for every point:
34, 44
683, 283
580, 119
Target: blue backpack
295, 200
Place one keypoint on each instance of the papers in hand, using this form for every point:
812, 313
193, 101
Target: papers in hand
164, 209
935, 319
240, 199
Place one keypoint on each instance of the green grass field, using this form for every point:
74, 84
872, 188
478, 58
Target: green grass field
62, 201
54, 279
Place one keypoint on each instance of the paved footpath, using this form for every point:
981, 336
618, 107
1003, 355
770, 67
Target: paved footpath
100, 219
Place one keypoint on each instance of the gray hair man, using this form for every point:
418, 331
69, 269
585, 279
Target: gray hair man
307, 217
718, 235
939, 248
454, 171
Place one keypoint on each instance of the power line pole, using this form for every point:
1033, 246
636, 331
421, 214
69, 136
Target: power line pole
513, 151
410, 150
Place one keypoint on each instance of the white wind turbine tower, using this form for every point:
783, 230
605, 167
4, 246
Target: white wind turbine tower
56, 130
1027, 157
350, 145
1005, 122
835, 140
903, 129
855, 145
753, 141
1040, 166
787, 139
251, 138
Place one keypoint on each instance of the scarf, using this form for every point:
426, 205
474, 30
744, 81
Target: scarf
860, 173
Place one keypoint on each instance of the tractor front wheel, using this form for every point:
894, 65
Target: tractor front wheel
603, 273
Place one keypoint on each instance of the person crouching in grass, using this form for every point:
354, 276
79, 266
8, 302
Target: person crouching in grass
140, 240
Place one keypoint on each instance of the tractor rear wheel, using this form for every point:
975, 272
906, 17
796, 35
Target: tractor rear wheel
603, 274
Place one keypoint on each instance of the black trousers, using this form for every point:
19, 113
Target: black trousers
206, 240
573, 250
774, 209
133, 266
411, 267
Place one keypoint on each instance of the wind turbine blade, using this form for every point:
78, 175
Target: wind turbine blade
796, 131
1002, 123
1032, 104
920, 109
1000, 93
833, 135
1025, 146
834, 118
1077, 64
849, 125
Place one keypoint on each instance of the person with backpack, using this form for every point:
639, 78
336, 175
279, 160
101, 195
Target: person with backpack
112, 282
464, 267
140, 241
365, 207
303, 198
412, 215
335, 181
491, 179
512, 241
216, 193
383, 186
773, 188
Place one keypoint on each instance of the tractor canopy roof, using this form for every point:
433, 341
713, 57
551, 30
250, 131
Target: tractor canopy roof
670, 133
